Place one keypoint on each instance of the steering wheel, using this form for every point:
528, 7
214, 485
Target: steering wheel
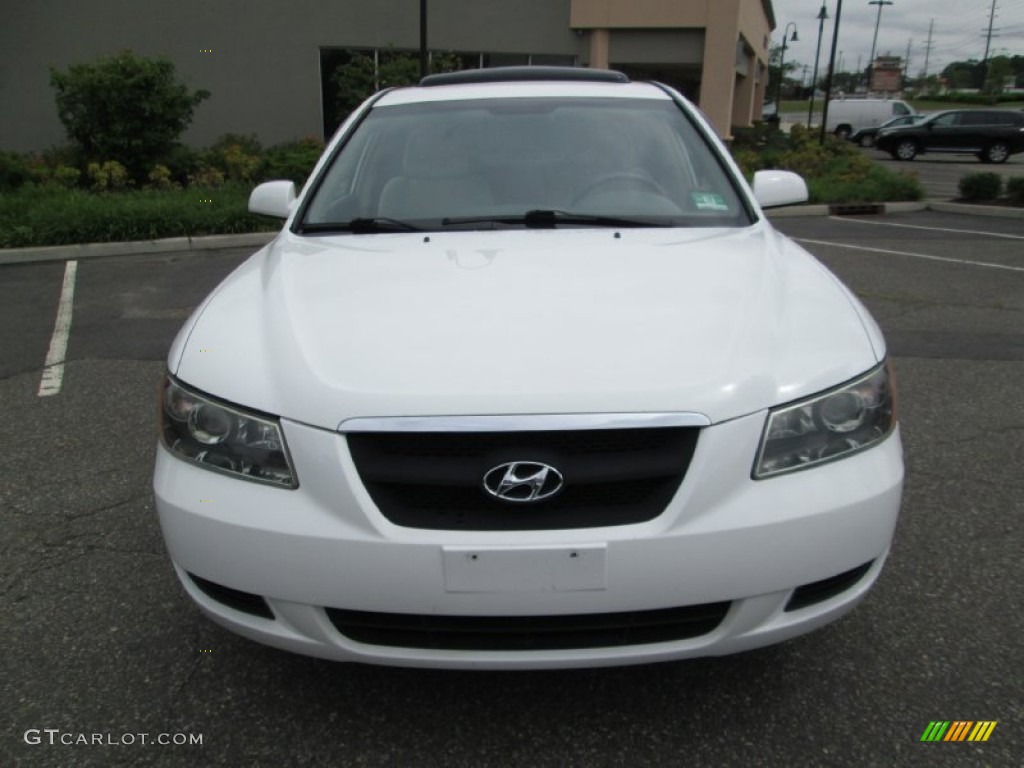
622, 178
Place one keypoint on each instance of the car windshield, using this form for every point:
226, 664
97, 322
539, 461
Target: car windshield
523, 162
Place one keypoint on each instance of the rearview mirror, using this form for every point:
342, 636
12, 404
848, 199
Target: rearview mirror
274, 198
775, 188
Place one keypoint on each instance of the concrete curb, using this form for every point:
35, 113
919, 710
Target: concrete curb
994, 211
133, 248
259, 239
791, 211
991, 211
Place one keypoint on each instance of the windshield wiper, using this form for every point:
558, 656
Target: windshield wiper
549, 218
361, 226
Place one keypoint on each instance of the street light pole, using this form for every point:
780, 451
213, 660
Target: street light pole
424, 57
822, 15
831, 69
874, 40
782, 64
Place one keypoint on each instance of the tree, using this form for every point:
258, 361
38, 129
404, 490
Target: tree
963, 75
361, 77
125, 108
788, 67
999, 70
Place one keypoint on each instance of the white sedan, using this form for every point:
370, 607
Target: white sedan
528, 380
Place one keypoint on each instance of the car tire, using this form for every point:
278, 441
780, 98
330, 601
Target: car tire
867, 141
996, 152
905, 150
843, 132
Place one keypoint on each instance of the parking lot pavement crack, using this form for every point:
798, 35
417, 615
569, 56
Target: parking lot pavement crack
48, 565
105, 508
123, 550
93, 542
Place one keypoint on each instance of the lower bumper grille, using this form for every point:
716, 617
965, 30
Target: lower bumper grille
819, 591
245, 602
527, 633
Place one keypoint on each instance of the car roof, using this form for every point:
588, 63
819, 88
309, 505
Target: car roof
518, 74
523, 82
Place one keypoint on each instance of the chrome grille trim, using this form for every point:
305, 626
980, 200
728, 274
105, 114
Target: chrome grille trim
541, 422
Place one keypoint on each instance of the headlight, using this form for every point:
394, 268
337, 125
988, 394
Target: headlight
828, 426
223, 438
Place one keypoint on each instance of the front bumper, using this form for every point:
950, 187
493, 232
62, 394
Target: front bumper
724, 538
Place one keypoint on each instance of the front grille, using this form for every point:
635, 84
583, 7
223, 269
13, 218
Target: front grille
819, 591
435, 479
527, 633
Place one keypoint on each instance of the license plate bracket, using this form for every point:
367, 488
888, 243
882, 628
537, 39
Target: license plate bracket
526, 569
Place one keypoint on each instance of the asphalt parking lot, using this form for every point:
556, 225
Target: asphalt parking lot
100, 639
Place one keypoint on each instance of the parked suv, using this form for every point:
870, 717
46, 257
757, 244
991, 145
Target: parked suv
991, 134
528, 380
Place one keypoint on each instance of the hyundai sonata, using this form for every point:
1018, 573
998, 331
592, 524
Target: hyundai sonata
528, 380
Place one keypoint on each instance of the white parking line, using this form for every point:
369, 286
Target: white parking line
933, 229
53, 370
928, 256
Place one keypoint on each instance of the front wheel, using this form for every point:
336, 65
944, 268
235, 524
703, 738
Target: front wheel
905, 150
997, 152
843, 132
867, 140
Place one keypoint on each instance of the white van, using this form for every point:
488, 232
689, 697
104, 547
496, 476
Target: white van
846, 116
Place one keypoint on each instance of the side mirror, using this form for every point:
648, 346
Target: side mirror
775, 188
273, 198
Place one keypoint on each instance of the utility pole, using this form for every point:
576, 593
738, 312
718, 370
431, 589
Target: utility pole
988, 44
988, 36
928, 46
906, 61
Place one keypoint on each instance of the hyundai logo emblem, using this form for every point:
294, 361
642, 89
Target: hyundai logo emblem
523, 481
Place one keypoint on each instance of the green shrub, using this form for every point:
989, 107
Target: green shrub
292, 160
1015, 190
110, 175
36, 216
981, 186
206, 176
182, 162
987, 99
237, 157
65, 176
125, 108
878, 185
14, 170
835, 172
160, 178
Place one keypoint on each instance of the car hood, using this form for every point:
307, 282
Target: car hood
720, 322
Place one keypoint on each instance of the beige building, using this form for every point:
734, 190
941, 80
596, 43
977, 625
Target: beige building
714, 50
269, 63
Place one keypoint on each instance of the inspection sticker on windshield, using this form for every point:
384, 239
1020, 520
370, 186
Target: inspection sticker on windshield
707, 201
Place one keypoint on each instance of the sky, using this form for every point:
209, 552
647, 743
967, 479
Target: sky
959, 31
